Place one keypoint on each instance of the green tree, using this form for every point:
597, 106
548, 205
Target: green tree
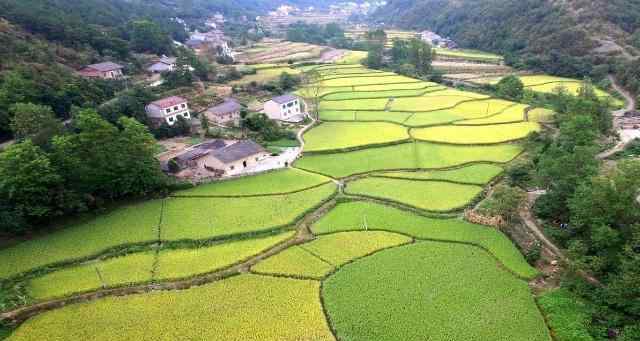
420, 56
148, 36
510, 87
399, 51
287, 81
28, 181
35, 122
375, 56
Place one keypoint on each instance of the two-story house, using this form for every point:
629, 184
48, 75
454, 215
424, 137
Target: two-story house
287, 108
106, 70
168, 110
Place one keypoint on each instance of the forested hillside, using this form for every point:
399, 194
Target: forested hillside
572, 38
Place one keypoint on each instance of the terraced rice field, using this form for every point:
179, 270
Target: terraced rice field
552, 84
265, 75
418, 155
478, 134
281, 181
387, 297
381, 263
426, 195
218, 217
339, 135
245, 307
477, 174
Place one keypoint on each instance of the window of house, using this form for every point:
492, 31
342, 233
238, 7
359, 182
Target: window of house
231, 168
185, 115
168, 110
170, 119
175, 108
183, 105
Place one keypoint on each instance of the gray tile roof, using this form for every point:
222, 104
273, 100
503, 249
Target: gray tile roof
284, 99
200, 150
106, 66
229, 106
237, 151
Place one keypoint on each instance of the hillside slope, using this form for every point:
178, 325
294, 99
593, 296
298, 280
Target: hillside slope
566, 37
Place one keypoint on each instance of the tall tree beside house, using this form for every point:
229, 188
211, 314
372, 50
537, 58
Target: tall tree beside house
102, 160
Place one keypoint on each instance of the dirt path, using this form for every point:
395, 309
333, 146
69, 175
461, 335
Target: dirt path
630, 105
532, 224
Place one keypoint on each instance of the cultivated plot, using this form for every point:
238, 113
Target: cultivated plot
339, 135
327, 253
435, 196
206, 218
282, 181
479, 174
360, 216
431, 289
245, 307
418, 155
127, 225
486, 134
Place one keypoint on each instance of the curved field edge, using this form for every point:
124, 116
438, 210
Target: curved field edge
475, 174
332, 136
243, 307
411, 301
361, 215
37, 257
327, 253
431, 196
285, 181
406, 156
161, 265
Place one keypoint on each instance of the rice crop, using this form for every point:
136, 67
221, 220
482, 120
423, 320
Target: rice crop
487, 134
336, 135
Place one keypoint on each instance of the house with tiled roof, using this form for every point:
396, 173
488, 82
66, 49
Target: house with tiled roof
287, 108
227, 113
168, 110
165, 64
106, 70
235, 158
216, 156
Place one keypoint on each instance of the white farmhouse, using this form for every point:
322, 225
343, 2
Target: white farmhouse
168, 110
285, 108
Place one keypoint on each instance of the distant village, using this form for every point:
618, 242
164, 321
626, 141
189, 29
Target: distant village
211, 158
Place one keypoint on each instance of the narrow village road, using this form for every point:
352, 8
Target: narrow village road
532, 224
626, 135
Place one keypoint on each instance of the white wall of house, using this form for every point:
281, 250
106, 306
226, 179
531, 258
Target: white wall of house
236, 167
283, 112
114, 74
170, 114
